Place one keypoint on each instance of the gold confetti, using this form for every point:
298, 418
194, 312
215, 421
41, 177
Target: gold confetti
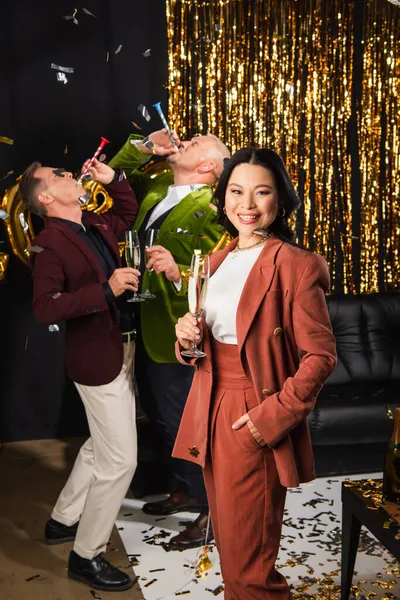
7, 175
65, 150
203, 564
6, 140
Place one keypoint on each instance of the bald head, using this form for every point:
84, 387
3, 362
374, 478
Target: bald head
200, 160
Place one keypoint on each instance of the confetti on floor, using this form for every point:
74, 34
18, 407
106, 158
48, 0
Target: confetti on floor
309, 556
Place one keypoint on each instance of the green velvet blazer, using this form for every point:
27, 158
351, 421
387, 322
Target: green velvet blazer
196, 218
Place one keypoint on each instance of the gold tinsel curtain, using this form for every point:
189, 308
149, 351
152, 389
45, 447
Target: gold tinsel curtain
319, 82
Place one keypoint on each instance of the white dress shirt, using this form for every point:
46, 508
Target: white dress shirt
175, 194
224, 292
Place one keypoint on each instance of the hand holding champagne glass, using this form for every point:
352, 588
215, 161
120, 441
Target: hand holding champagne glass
197, 290
151, 238
132, 257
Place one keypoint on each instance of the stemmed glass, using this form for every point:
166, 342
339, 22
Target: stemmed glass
197, 290
151, 237
132, 257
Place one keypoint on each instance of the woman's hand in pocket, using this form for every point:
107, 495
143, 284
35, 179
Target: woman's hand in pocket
241, 421
188, 331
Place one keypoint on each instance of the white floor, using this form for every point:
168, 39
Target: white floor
309, 556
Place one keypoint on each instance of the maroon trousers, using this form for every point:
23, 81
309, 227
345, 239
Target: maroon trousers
245, 496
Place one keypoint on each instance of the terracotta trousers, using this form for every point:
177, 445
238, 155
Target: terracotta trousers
245, 496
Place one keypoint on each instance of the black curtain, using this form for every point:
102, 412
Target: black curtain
60, 124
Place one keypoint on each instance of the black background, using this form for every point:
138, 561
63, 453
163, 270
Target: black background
44, 116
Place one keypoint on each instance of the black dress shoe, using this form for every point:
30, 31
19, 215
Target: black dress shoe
98, 573
57, 533
177, 502
193, 536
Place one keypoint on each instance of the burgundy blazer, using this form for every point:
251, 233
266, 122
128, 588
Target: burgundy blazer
287, 350
67, 286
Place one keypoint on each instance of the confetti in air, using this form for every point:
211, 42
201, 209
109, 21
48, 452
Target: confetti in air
62, 78
87, 12
62, 69
144, 112
6, 140
72, 17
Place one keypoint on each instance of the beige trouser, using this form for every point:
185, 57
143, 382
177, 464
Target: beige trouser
105, 464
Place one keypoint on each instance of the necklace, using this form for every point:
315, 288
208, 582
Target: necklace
263, 239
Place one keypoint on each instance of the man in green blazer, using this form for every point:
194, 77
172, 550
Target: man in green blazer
178, 204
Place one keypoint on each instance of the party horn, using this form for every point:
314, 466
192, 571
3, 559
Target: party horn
164, 121
91, 161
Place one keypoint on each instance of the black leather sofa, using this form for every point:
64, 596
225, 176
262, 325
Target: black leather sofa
350, 427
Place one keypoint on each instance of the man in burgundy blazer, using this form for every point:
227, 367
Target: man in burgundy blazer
78, 279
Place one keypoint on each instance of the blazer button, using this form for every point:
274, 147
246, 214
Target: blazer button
278, 331
193, 451
266, 392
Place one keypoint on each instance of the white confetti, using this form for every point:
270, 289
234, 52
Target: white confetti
72, 17
147, 53
63, 69
53, 328
62, 77
3, 214
23, 222
144, 112
87, 12
118, 50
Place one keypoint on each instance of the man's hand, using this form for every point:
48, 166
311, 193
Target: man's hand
162, 143
188, 331
162, 261
124, 279
99, 172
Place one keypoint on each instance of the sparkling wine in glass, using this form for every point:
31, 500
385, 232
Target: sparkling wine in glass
197, 291
151, 238
132, 257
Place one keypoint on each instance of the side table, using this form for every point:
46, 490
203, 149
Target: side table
362, 505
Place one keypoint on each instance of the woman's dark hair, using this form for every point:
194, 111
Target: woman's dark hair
287, 195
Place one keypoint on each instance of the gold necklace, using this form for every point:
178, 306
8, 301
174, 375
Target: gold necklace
263, 239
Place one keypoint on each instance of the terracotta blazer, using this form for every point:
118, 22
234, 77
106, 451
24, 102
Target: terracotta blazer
287, 350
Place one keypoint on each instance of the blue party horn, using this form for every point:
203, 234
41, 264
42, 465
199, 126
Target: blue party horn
164, 121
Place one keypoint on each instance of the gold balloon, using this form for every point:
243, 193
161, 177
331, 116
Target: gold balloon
222, 243
100, 200
154, 168
4, 258
18, 223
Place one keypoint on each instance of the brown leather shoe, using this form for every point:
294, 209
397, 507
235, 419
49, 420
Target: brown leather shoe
177, 502
193, 536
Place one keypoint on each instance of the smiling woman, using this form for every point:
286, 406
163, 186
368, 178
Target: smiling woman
266, 333
255, 191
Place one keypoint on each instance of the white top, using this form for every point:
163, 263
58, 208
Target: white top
175, 194
224, 291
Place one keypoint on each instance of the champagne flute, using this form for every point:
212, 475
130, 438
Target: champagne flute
151, 237
132, 257
197, 291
